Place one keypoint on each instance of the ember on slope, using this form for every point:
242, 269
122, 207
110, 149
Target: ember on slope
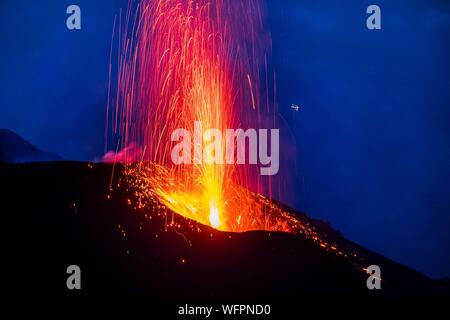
153, 186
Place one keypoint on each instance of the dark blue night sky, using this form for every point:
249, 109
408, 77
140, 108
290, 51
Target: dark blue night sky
372, 133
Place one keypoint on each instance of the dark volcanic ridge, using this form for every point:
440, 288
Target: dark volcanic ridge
14, 149
63, 213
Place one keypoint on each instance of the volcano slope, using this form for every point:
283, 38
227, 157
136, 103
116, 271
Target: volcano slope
64, 213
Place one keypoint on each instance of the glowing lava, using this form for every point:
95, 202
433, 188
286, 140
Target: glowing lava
182, 62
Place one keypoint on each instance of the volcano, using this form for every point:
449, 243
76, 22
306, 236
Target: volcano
57, 214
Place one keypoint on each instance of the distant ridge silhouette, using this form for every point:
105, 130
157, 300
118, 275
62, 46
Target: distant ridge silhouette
15, 149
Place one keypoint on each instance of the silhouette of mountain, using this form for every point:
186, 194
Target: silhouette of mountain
64, 213
14, 149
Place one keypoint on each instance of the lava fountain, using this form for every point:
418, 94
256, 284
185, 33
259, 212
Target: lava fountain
187, 62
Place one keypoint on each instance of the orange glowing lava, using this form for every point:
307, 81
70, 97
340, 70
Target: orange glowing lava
186, 61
